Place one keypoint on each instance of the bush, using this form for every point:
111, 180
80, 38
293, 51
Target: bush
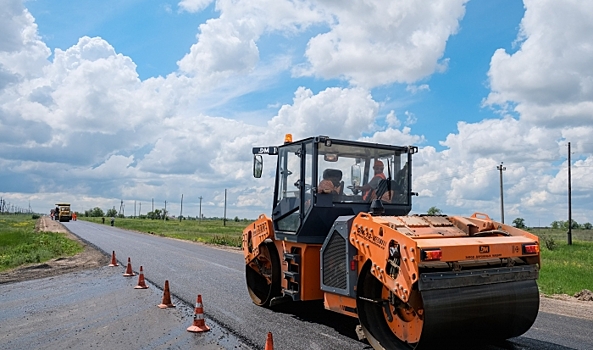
96, 212
519, 223
550, 243
35, 216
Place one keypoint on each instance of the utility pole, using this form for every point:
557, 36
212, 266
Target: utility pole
134, 209
153, 205
165, 212
181, 211
224, 219
569, 233
501, 169
200, 209
140, 209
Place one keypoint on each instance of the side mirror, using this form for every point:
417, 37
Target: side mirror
258, 166
355, 174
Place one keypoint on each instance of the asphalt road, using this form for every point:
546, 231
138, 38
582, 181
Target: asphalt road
218, 275
98, 308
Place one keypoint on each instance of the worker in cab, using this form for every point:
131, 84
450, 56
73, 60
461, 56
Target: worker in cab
369, 189
331, 182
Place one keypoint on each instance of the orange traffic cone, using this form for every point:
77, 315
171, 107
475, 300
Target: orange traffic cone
269, 342
141, 282
129, 272
166, 303
199, 324
113, 260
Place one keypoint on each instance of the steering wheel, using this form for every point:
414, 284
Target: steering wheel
307, 186
353, 189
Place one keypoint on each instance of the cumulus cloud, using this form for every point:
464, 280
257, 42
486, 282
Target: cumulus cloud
335, 112
549, 80
83, 113
227, 45
548, 85
22, 53
368, 43
374, 43
12, 19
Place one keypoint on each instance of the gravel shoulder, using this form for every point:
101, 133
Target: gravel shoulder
91, 257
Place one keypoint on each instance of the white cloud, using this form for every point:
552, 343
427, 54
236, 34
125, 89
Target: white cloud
194, 5
227, 45
223, 49
335, 112
368, 44
12, 20
549, 80
374, 43
414, 89
22, 53
392, 120
84, 115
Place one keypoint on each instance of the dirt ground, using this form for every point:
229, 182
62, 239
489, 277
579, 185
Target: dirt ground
580, 305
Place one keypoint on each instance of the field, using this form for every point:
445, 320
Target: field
205, 231
566, 269
20, 244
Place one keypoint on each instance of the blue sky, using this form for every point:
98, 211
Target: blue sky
165, 98
156, 34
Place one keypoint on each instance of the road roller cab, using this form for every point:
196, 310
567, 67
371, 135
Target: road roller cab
303, 212
340, 232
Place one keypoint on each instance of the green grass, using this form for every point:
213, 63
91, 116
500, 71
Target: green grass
205, 231
566, 269
560, 234
20, 244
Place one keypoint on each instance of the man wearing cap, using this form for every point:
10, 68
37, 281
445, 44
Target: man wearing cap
371, 186
331, 182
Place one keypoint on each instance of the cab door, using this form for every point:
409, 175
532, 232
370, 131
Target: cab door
293, 187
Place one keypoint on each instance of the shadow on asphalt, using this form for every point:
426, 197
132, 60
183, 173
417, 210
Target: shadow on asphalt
314, 312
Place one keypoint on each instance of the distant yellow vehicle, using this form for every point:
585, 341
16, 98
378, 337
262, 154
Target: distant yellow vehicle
63, 212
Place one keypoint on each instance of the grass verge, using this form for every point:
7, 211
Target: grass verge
566, 269
205, 231
20, 244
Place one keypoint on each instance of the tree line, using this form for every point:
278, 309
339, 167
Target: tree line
520, 222
157, 214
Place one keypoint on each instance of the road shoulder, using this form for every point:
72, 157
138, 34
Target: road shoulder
89, 258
